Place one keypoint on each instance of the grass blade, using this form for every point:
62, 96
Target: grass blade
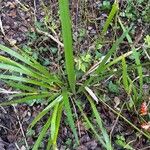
26, 69
53, 124
21, 86
59, 115
125, 75
42, 134
67, 39
45, 111
26, 59
26, 80
99, 121
101, 67
91, 126
136, 57
25, 99
70, 115
114, 10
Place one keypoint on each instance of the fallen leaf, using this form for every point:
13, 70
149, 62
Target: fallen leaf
144, 109
146, 126
117, 102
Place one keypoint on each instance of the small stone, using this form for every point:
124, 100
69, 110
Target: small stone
23, 148
12, 42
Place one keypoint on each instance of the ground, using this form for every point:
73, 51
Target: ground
25, 24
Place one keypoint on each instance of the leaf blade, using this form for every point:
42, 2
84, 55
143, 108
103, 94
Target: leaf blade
67, 39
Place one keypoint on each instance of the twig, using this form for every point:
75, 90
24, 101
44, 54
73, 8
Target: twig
1, 27
8, 92
147, 54
43, 32
15, 110
116, 122
50, 36
17, 146
75, 110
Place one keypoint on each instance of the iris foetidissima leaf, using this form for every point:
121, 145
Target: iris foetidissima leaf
135, 55
46, 110
42, 134
114, 10
67, 40
27, 80
21, 86
28, 61
91, 125
25, 99
99, 121
125, 75
58, 120
29, 65
70, 115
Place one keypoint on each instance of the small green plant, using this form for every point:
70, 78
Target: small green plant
120, 140
82, 63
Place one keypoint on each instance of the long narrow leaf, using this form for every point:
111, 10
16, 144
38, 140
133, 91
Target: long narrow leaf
114, 10
42, 134
125, 75
70, 115
67, 39
59, 115
53, 124
25, 99
99, 121
110, 52
27, 60
26, 69
91, 126
45, 111
136, 57
26, 80
21, 86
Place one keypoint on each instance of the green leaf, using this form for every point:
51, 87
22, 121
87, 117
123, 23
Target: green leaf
53, 121
114, 10
102, 67
21, 86
45, 111
136, 57
125, 75
59, 115
113, 87
26, 80
42, 134
99, 121
27, 71
25, 99
27, 60
70, 115
90, 125
67, 39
